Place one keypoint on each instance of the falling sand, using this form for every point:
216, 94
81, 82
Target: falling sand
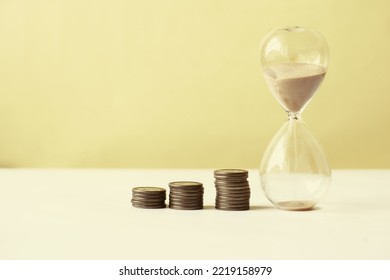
293, 84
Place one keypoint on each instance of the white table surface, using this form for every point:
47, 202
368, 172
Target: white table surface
87, 214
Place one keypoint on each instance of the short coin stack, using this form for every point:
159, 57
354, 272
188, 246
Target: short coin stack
186, 195
233, 192
149, 197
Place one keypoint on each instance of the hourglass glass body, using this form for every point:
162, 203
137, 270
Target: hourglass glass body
294, 171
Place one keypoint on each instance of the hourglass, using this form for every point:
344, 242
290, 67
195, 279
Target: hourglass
294, 171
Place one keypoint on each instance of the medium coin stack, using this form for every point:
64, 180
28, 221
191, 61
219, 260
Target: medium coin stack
148, 197
233, 192
186, 195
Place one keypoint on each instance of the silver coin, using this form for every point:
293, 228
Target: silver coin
233, 182
185, 202
148, 204
189, 195
233, 209
235, 205
186, 196
186, 208
230, 172
149, 207
233, 192
227, 205
233, 188
230, 205
232, 197
148, 189
225, 183
187, 192
144, 198
189, 204
231, 178
148, 200
241, 185
232, 201
185, 184
149, 193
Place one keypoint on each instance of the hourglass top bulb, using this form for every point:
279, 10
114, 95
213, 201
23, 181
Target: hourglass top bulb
294, 62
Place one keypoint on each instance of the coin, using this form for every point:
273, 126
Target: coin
230, 172
149, 190
178, 199
147, 202
186, 208
233, 189
233, 193
192, 196
185, 205
142, 198
187, 191
138, 205
233, 208
185, 202
185, 184
231, 183
147, 199
227, 197
136, 202
230, 179
146, 193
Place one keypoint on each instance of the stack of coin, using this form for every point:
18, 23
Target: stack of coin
233, 192
186, 195
149, 197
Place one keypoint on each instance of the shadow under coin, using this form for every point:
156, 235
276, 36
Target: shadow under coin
208, 207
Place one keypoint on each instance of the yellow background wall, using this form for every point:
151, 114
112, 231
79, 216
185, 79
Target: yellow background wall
176, 83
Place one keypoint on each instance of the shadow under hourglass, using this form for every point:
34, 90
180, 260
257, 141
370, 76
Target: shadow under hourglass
265, 208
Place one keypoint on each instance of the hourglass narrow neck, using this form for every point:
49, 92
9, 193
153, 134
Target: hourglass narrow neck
294, 116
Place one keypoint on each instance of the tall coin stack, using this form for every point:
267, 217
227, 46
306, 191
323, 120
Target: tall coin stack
186, 195
148, 197
233, 192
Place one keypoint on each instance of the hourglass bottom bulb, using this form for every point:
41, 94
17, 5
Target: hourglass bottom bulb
294, 171
295, 191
